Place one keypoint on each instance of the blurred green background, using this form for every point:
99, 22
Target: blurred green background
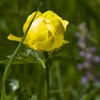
75, 74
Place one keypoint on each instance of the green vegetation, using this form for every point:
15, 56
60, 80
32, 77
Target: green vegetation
74, 72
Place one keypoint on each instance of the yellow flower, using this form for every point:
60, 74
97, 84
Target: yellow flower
46, 32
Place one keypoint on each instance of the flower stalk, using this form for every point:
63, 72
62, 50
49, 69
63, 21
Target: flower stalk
47, 81
46, 77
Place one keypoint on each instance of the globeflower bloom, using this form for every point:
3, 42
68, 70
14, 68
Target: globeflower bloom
46, 32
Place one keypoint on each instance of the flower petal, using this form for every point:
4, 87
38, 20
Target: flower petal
18, 39
55, 27
14, 38
29, 19
50, 14
50, 44
65, 23
38, 31
58, 26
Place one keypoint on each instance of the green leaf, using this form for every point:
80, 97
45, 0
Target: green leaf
39, 55
22, 58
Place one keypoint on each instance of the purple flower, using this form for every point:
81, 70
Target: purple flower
84, 80
86, 64
81, 44
80, 66
97, 59
93, 49
82, 53
89, 56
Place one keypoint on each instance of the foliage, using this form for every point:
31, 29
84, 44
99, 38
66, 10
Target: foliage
67, 81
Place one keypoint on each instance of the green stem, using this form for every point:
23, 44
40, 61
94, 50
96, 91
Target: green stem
46, 75
47, 81
13, 57
44, 62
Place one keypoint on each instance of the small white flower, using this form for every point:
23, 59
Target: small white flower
14, 84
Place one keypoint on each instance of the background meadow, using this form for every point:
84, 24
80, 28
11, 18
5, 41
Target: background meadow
75, 70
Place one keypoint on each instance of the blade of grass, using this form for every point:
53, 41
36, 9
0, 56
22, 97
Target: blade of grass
59, 79
13, 56
3, 92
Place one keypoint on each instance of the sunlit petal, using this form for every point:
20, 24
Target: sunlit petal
29, 19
